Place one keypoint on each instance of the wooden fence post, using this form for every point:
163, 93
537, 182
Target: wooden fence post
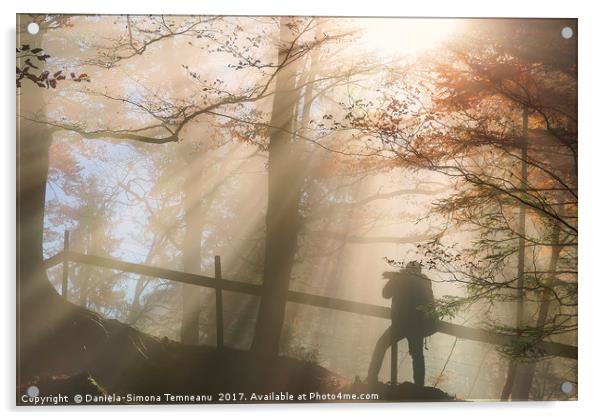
65, 283
393, 359
219, 311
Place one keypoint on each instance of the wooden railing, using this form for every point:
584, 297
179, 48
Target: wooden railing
219, 284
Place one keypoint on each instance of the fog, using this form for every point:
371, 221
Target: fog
167, 157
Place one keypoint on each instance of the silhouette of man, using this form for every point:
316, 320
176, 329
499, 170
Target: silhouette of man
410, 291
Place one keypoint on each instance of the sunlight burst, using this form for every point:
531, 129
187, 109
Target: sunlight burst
406, 36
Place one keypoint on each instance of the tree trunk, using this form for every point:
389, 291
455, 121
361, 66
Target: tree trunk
191, 252
522, 386
32, 173
38, 303
136, 308
282, 218
33, 145
513, 368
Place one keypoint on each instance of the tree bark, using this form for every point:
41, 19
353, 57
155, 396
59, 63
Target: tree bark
33, 146
513, 370
38, 304
191, 253
32, 173
282, 218
526, 372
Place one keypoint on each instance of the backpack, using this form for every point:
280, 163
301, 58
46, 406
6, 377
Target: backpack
411, 293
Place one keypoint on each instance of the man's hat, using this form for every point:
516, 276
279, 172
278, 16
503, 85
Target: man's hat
414, 264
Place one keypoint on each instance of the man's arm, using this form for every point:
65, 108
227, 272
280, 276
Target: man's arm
427, 287
388, 290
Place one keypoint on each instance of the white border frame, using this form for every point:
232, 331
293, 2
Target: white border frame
589, 96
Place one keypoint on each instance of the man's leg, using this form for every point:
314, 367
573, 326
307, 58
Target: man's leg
378, 355
415, 344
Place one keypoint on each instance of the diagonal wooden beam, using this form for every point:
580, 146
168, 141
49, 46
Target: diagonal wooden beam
54, 260
164, 273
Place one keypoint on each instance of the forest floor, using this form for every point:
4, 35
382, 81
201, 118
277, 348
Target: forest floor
115, 363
